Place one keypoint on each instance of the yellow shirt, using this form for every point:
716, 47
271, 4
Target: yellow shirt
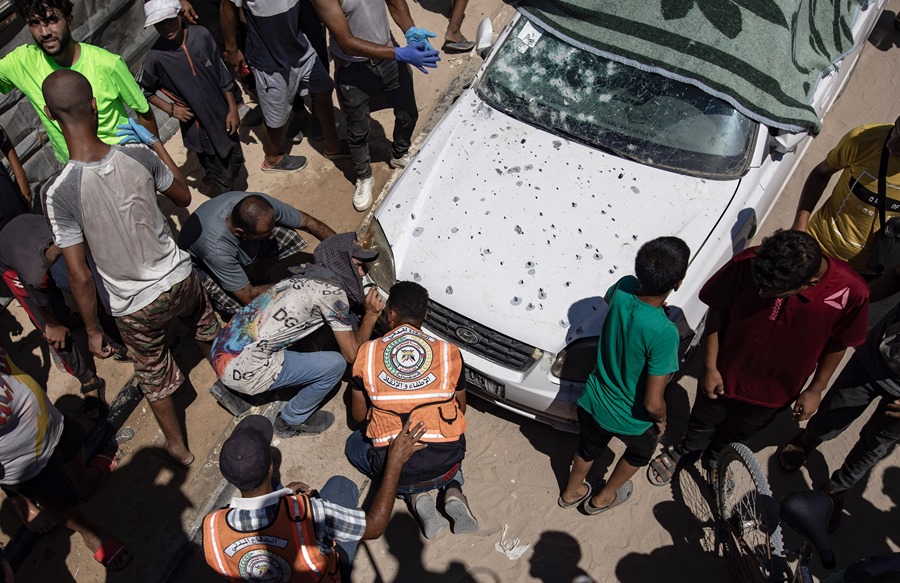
845, 225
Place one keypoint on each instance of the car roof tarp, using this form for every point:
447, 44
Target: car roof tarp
764, 57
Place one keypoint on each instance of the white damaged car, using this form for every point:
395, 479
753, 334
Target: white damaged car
534, 192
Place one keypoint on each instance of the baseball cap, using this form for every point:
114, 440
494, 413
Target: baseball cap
246, 455
158, 10
363, 254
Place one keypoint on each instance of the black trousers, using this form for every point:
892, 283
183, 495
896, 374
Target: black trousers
222, 172
356, 84
714, 423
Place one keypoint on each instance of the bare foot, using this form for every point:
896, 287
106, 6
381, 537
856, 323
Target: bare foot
176, 454
579, 493
34, 519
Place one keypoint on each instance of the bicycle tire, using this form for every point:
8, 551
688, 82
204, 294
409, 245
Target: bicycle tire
749, 525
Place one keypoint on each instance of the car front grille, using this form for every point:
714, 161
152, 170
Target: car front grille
491, 345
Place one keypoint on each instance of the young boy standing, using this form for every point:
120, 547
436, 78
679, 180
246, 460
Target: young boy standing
624, 395
185, 65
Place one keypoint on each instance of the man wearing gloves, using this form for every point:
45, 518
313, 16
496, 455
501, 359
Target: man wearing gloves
366, 62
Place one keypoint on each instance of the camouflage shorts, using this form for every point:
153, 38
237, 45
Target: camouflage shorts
144, 333
284, 243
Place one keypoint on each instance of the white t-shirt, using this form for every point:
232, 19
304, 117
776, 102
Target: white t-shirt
248, 353
30, 425
112, 205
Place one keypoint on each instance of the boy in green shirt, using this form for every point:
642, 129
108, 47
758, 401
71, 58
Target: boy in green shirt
25, 68
624, 395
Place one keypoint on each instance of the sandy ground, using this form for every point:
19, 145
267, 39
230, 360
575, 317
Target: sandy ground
514, 467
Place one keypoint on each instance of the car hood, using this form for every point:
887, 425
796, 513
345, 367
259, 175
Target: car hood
524, 231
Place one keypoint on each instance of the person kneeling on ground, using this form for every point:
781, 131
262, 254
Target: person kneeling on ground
236, 238
410, 376
778, 314
625, 394
258, 532
39, 451
251, 354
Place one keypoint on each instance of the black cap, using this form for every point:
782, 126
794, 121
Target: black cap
246, 455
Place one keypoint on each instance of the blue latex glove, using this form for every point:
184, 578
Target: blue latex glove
416, 34
134, 133
418, 56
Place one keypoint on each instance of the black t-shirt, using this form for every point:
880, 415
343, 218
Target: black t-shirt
274, 40
12, 203
23, 242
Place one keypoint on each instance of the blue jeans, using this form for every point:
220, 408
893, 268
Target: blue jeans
359, 451
316, 373
341, 491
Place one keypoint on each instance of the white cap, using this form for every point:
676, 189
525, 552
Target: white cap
158, 10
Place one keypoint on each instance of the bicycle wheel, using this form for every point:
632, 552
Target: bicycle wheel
750, 530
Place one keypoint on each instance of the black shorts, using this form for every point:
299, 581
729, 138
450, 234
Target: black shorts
50, 488
593, 440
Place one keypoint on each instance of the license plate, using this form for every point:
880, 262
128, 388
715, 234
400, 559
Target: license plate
479, 381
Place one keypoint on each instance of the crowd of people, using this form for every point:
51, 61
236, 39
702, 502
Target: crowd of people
95, 234
787, 310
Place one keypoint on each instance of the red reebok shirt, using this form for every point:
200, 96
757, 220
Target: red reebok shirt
770, 346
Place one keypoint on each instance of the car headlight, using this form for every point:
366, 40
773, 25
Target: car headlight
576, 361
381, 270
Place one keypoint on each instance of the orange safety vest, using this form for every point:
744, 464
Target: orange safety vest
408, 372
286, 551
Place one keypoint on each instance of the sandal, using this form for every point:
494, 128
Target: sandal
622, 496
792, 457
95, 408
113, 555
663, 467
563, 504
104, 463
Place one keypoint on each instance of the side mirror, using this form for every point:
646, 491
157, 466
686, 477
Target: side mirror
786, 142
484, 38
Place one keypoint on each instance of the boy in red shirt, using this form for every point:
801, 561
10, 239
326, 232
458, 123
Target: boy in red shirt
778, 313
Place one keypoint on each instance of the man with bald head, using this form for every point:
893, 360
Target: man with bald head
104, 203
235, 239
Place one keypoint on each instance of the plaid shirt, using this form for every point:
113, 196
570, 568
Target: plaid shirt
332, 522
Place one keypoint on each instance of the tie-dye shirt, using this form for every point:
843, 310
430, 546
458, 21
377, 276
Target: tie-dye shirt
248, 353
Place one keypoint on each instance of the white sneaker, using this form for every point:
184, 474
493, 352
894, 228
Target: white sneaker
401, 162
362, 198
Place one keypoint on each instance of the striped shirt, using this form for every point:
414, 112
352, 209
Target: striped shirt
333, 522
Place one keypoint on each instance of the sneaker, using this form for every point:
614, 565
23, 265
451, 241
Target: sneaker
401, 162
432, 522
230, 400
288, 164
316, 423
362, 198
457, 507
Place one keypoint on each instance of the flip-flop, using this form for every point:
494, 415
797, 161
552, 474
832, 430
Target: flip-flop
109, 551
563, 504
622, 496
792, 457
105, 464
664, 465
457, 507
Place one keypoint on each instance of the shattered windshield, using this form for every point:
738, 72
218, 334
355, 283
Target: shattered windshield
635, 114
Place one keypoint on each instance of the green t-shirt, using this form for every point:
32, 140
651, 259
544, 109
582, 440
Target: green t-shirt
637, 340
114, 87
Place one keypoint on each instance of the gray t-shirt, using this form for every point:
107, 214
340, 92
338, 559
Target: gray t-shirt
248, 353
872, 360
213, 248
367, 20
111, 204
